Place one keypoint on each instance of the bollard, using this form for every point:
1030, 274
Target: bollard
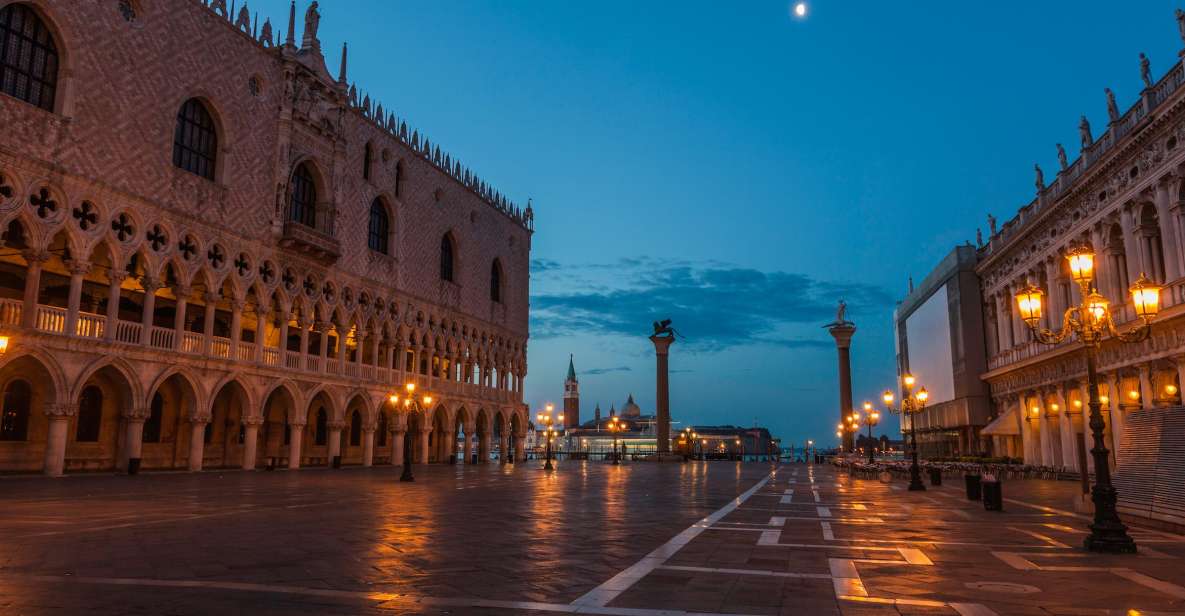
974, 487
337, 461
993, 496
935, 477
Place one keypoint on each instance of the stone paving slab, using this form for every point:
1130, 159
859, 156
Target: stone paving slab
637, 540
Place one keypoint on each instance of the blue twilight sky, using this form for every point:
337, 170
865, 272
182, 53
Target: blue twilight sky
738, 169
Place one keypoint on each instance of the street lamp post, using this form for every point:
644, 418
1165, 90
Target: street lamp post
614, 428
413, 401
549, 433
1090, 322
871, 418
911, 404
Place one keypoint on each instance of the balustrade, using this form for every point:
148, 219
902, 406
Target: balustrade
88, 325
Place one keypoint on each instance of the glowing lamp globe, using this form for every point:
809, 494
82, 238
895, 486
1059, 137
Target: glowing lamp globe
1028, 302
887, 397
1146, 297
923, 395
1081, 264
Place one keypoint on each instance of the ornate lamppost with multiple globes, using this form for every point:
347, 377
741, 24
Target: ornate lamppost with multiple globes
849, 424
871, 418
549, 432
1090, 322
911, 404
614, 427
413, 401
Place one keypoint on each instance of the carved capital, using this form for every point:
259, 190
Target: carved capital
150, 285
35, 255
252, 420
211, 297
77, 267
117, 275
60, 411
182, 292
336, 425
137, 414
200, 419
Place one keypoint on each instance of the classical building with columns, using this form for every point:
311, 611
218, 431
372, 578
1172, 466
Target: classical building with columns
216, 254
1124, 196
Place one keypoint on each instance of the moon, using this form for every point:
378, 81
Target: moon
800, 9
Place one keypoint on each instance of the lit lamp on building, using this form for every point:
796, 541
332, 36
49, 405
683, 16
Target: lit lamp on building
3, 344
871, 418
549, 432
615, 426
1090, 322
413, 402
911, 404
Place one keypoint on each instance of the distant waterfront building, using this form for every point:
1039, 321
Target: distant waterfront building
571, 397
939, 338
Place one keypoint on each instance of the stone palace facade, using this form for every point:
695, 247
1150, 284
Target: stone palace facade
1125, 197
216, 254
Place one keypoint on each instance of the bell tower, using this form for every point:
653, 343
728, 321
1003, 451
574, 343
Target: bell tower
571, 397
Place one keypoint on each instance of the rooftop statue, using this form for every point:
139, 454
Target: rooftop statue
1040, 180
312, 21
1061, 156
1145, 71
663, 329
841, 320
1112, 108
1084, 132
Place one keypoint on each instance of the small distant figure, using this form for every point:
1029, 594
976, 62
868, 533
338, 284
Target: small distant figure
1145, 71
1084, 132
991, 226
1061, 157
1040, 180
1112, 108
978, 237
840, 312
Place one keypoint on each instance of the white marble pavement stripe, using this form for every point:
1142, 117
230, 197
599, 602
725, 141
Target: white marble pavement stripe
609, 590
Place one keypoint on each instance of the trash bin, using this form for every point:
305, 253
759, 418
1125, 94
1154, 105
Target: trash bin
993, 496
133, 466
935, 477
337, 461
974, 489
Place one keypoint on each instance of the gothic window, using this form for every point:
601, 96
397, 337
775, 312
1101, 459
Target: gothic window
356, 429
90, 415
152, 425
303, 205
321, 431
28, 57
380, 228
367, 159
446, 257
14, 423
496, 281
195, 140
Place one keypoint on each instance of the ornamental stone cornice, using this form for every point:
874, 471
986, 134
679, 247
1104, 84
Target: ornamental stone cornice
140, 414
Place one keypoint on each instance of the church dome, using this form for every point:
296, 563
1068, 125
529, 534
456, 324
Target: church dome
631, 409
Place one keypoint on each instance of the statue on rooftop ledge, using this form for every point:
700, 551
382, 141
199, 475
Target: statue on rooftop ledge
312, 21
1084, 133
1040, 177
991, 226
1112, 108
1145, 71
1181, 24
1061, 156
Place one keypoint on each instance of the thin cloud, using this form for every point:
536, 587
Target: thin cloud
596, 371
714, 306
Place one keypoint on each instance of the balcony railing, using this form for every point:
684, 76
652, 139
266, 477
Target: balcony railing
51, 319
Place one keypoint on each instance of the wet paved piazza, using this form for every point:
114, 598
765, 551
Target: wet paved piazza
589, 538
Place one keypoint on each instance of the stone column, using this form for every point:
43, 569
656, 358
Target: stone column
197, 441
250, 441
423, 443
115, 278
842, 332
368, 446
1046, 439
78, 270
236, 326
1066, 431
36, 260
182, 295
262, 311
305, 325
397, 447
323, 351
503, 447
483, 447
295, 440
134, 441
208, 326
376, 338
335, 440
1115, 414
284, 316
1147, 394
468, 448
1168, 233
55, 447
146, 317
520, 448
662, 346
